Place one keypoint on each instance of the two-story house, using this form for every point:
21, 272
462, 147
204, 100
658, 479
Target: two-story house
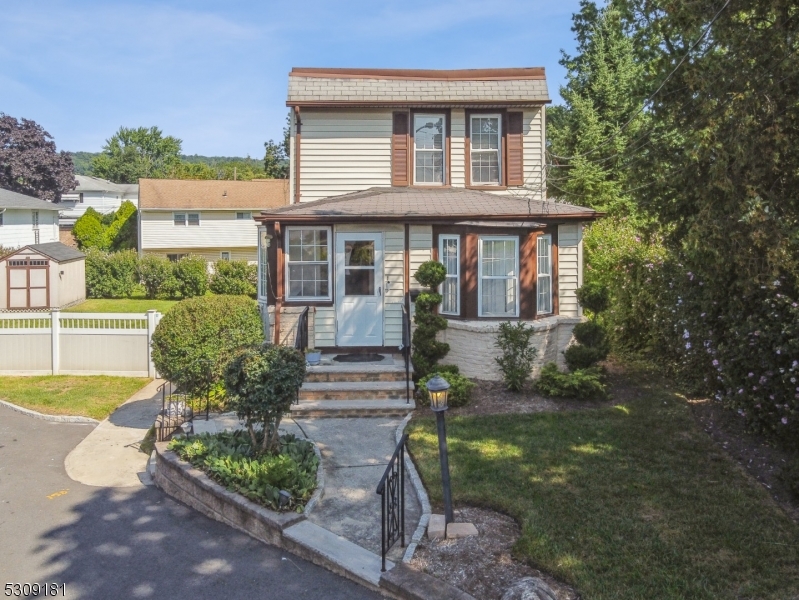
26, 220
390, 168
102, 195
208, 218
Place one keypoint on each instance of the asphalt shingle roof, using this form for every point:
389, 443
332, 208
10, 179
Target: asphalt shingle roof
212, 194
398, 202
487, 87
9, 199
58, 251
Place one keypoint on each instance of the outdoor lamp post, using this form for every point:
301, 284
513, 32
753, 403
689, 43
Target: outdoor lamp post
438, 388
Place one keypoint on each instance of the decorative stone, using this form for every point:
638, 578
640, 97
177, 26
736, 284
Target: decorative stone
437, 527
460, 530
529, 588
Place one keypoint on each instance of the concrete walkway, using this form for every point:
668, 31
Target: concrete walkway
355, 453
109, 456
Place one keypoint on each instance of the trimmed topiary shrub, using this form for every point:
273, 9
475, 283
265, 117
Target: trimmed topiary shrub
120, 234
582, 384
594, 296
261, 384
156, 274
591, 333
234, 277
427, 350
89, 230
460, 391
517, 354
112, 275
202, 334
582, 357
191, 273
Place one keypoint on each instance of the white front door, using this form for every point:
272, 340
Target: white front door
359, 289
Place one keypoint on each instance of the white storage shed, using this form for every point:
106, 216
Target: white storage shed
42, 276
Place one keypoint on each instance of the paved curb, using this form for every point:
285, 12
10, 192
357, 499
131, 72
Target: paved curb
52, 418
421, 495
320, 483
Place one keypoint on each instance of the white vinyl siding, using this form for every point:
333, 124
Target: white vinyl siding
421, 243
570, 276
343, 151
457, 144
498, 276
533, 149
308, 263
211, 255
219, 229
449, 255
17, 229
544, 264
324, 326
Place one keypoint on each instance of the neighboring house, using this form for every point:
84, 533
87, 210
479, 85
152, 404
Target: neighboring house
103, 196
390, 168
208, 218
26, 220
49, 275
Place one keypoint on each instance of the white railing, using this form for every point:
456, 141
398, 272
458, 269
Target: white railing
77, 343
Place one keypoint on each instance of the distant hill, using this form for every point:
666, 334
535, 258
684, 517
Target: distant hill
83, 161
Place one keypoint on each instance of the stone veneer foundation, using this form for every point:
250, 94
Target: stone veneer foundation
472, 346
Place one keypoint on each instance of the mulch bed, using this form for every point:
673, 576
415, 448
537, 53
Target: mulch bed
483, 566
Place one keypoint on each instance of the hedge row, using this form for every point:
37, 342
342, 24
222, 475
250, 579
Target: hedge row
118, 275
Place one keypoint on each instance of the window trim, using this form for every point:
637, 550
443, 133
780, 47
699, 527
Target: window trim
516, 277
246, 216
175, 222
441, 238
177, 255
500, 149
287, 280
538, 311
189, 219
444, 149
222, 255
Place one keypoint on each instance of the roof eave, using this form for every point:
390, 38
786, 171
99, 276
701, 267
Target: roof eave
288, 217
411, 104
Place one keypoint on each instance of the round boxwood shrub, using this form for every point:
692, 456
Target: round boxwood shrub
460, 391
199, 336
582, 357
234, 277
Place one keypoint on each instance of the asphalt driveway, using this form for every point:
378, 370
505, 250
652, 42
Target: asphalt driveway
128, 542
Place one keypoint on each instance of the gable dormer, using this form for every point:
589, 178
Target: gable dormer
353, 129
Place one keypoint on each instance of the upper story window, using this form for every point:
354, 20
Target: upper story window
428, 149
485, 149
35, 219
80, 198
186, 218
308, 263
243, 216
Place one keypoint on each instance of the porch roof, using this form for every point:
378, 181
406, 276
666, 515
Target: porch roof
414, 204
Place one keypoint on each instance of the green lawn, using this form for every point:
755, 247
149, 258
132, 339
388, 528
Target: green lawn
122, 305
627, 502
89, 396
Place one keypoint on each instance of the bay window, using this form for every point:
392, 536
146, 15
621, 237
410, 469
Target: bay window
498, 276
544, 253
308, 263
428, 149
485, 159
449, 256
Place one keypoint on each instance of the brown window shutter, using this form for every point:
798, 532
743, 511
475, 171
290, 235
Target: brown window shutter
400, 148
515, 149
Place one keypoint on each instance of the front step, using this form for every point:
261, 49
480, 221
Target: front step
354, 390
356, 372
352, 408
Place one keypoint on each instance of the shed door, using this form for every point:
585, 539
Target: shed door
28, 281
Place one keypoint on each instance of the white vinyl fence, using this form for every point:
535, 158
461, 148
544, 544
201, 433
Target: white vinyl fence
56, 343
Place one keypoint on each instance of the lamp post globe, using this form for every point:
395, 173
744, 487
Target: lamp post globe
438, 388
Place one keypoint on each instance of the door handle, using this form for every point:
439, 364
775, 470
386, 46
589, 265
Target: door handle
379, 291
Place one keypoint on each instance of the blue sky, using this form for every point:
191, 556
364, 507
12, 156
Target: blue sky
214, 74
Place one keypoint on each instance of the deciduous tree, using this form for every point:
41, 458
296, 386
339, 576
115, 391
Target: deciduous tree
133, 153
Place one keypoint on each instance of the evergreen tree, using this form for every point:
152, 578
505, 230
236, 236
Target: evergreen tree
594, 136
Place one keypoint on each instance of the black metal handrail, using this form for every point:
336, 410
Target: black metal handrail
301, 339
392, 501
406, 351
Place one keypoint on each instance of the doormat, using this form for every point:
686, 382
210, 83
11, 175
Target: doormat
358, 358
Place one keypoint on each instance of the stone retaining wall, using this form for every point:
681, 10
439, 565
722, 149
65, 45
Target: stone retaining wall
194, 488
472, 345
